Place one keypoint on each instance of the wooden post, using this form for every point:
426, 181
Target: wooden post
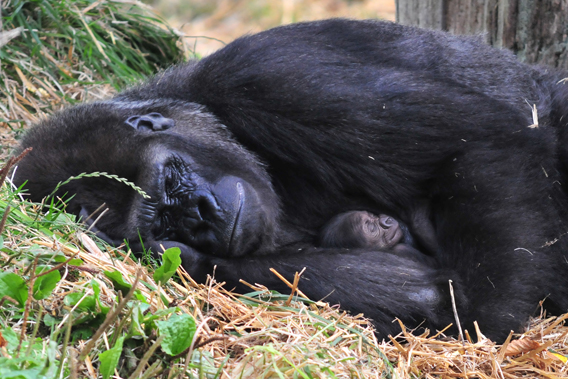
536, 30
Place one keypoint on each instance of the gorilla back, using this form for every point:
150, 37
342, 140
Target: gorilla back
247, 153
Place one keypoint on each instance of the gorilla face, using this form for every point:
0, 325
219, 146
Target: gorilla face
216, 213
361, 229
197, 177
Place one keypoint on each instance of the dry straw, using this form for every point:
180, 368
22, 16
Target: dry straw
271, 338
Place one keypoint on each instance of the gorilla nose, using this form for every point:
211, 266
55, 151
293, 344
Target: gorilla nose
206, 206
387, 222
240, 213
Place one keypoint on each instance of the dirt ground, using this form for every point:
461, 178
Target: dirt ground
209, 24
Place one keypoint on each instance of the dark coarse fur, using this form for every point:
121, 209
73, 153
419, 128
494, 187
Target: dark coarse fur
315, 119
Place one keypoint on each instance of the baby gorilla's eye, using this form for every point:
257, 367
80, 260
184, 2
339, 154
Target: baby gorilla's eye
371, 226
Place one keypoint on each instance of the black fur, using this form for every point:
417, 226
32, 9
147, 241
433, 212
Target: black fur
315, 119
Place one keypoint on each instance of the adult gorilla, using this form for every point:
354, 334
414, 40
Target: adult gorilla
247, 153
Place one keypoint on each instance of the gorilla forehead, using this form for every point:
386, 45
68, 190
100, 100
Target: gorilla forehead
103, 125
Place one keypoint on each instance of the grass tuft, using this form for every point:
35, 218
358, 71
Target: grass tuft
54, 53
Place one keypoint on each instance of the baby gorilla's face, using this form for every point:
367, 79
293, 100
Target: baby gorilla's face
380, 231
361, 229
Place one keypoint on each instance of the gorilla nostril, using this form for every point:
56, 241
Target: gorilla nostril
207, 207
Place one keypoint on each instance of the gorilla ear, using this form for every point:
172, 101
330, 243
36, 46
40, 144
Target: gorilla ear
152, 121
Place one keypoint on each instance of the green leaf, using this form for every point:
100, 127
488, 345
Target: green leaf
140, 297
88, 304
14, 286
122, 285
49, 320
11, 338
170, 262
178, 332
162, 313
45, 284
10, 368
109, 359
118, 281
62, 258
135, 329
149, 319
97, 290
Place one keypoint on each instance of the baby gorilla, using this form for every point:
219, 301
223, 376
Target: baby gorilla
362, 229
359, 229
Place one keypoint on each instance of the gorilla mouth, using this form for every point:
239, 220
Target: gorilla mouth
392, 232
394, 238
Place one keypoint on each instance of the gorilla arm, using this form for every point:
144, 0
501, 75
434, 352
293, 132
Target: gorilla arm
381, 284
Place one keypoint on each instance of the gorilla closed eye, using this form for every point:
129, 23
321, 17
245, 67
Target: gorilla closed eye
178, 178
152, 121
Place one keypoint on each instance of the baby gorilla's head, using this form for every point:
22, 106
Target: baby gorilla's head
358, 229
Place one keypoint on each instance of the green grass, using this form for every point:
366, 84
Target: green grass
67, 47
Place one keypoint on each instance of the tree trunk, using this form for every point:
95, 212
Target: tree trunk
536, 30
422, 13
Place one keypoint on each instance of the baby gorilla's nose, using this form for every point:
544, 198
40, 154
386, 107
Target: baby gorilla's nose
387, 222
